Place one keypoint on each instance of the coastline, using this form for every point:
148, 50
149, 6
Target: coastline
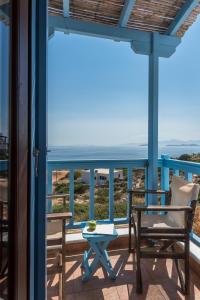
114, 152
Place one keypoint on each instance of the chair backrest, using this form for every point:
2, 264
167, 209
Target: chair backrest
182, 192
55, 227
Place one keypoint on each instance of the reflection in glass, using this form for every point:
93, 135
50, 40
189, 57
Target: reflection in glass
4, 141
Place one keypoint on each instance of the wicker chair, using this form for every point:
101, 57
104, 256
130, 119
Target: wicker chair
56, 230
163, 231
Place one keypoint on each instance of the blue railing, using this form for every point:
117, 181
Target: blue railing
167, 166
71, 166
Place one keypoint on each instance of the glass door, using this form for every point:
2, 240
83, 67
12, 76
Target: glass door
4, 145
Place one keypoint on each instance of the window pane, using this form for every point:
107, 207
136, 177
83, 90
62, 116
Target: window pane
4, 141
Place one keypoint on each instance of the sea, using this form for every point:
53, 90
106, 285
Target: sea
114, 152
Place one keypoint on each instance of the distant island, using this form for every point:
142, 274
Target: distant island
183, 145
177, 144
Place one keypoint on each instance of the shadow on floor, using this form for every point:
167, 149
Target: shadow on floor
160, 281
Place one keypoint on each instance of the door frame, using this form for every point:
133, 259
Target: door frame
28, 44
41, 145
18, 150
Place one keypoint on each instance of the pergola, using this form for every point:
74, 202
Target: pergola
152, 27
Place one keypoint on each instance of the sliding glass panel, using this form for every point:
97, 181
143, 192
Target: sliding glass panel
4, 142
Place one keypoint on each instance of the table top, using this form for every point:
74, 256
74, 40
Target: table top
102, 232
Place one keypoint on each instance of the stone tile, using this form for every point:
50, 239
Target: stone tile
110, 293
160, 281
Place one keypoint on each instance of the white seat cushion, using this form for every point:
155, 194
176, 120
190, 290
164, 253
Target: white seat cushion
182, 193
156, 221
54, 230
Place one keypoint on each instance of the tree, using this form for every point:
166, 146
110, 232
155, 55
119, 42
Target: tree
185, 157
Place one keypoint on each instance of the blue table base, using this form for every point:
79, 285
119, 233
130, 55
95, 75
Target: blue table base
98, 245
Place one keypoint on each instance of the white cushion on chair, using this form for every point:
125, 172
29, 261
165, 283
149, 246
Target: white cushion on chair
54, 230
182, 193
156, 221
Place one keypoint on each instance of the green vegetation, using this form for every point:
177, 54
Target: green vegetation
80, 210
186, 157
80, 188
81, 206
77, 174
101, 196
61, 188
195, 157
101, 211
120, 210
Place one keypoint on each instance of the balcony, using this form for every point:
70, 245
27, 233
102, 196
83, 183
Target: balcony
160, 277
160, 280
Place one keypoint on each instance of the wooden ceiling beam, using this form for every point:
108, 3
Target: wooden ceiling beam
126, 12
66, 8
181, 16
140, 40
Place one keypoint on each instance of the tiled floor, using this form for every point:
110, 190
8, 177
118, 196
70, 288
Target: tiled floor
160, 281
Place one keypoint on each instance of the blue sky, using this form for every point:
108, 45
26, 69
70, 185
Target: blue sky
98, 91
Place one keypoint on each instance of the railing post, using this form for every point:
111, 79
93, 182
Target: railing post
71, 194
146, 184
153, 115
164, 177
49, 189
188, 176
91, 213
176, 172
111, 194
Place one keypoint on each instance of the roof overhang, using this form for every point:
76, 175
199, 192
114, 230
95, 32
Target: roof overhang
140, 40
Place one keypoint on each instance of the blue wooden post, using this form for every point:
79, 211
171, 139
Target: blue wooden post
164, 177
91, 214
111, 194
153, 116
71, 194
49, 189
66, 8
188, 176
146, 185
176, 172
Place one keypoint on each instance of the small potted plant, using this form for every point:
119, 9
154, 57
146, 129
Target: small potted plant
92, 225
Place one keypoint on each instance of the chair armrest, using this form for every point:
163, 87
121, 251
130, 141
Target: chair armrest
154, 192
59, 216
55, 196
163, 208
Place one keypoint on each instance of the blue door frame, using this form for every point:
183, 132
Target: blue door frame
38, 192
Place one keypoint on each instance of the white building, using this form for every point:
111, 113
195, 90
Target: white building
101, 176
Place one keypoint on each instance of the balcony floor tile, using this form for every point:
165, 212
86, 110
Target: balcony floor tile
160, 281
